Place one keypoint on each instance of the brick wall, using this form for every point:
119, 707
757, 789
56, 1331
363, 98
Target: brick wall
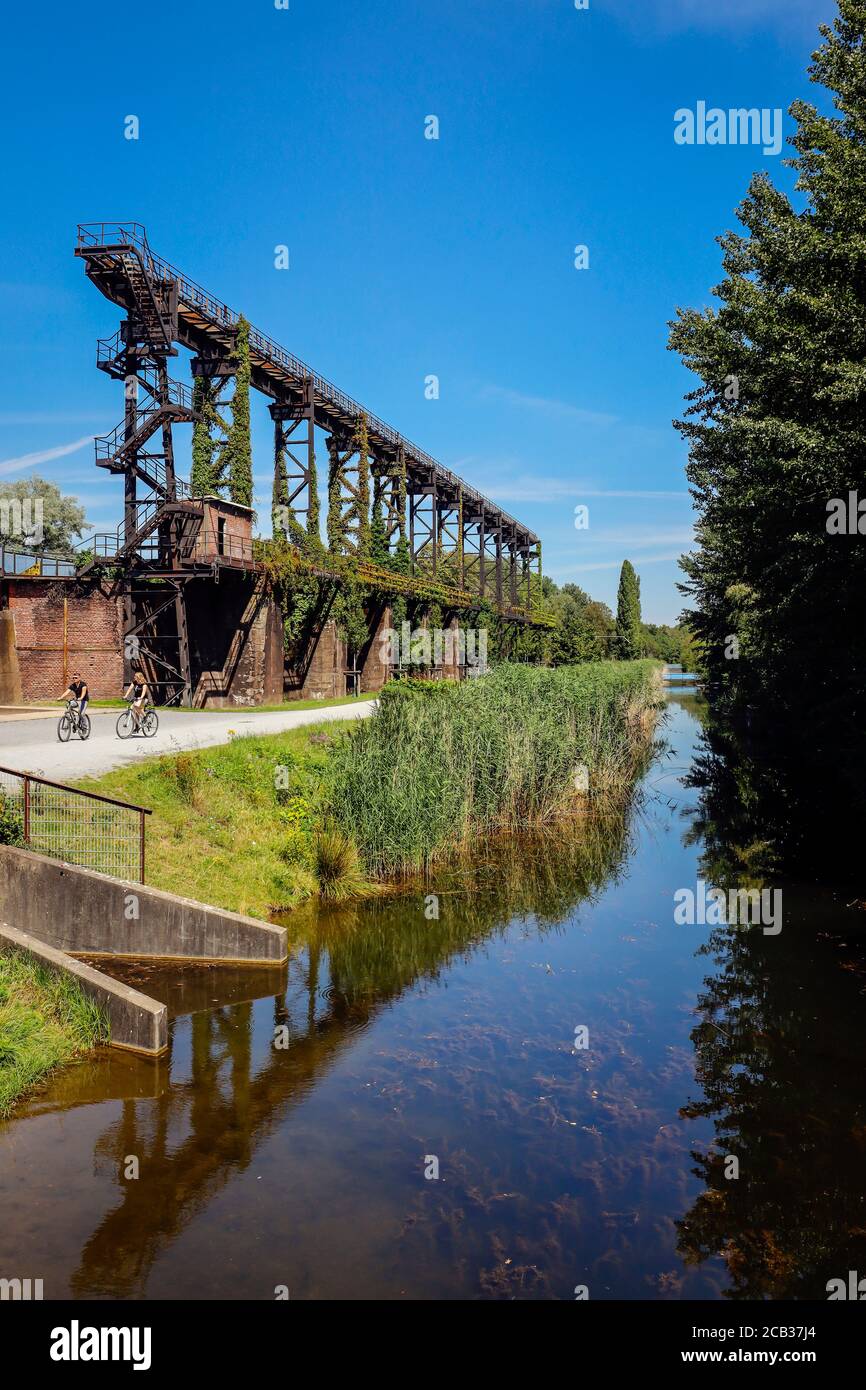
42, 611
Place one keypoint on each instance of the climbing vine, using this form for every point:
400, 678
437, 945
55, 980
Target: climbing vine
237, 458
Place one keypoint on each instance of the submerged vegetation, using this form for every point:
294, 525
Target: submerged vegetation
45, 1022
262, 824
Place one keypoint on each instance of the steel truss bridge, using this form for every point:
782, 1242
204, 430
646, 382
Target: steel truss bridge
462, 547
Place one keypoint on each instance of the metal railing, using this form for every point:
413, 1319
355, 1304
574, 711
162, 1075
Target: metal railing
120, 235
210, 544
78, 827
14, 561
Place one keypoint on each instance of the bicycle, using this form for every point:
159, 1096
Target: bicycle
73, 720
147, 725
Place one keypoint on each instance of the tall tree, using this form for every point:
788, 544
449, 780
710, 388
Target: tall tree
628, 625
777, 440
37, 516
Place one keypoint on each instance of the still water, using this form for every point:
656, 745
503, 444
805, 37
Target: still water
415, 1046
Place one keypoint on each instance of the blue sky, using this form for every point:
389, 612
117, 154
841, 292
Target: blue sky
409, 257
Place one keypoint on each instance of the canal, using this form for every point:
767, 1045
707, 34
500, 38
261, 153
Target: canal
528, 1081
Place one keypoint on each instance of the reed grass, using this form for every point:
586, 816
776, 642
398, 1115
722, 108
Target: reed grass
441, 764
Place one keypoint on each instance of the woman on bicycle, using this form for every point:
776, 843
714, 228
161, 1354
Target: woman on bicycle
139, 693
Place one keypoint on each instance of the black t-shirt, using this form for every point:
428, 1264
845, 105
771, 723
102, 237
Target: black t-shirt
137, 690
78, 688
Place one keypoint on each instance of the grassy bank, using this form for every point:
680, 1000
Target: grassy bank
261, 824
234, 825
442, 764
45, 1022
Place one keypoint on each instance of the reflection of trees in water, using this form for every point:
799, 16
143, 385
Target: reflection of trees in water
757, 816
200, 1131
780, 1057
376, 949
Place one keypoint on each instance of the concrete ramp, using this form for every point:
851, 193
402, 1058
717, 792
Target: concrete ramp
134, 1020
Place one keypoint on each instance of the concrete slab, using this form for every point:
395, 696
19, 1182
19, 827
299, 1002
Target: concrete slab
86, 913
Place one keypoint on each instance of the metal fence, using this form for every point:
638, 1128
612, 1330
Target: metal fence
76, 826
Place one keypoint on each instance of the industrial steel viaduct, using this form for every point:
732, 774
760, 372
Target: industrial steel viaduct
459, 541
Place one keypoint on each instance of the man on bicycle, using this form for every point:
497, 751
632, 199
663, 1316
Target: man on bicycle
77, 690
139, 692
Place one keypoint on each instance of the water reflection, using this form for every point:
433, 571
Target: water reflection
410, 1037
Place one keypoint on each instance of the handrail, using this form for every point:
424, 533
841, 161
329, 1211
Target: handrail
132, 234
44, 831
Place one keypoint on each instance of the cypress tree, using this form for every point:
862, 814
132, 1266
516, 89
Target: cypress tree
628, 631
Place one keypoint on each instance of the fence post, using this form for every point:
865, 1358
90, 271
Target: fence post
26, 810
141, 842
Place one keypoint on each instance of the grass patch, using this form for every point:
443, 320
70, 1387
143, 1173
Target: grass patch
263, 823
45, 1022
235, 825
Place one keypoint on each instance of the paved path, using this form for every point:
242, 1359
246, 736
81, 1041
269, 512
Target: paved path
32, 745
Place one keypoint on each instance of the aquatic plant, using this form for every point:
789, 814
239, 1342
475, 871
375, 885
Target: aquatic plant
439, 765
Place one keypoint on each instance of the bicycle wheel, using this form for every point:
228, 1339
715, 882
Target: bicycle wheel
84, 726
150, 723
125, 724
64, 728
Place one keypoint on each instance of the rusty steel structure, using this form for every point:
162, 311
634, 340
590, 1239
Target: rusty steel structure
465, 544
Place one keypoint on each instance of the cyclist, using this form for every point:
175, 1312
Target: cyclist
139, 690
77, 690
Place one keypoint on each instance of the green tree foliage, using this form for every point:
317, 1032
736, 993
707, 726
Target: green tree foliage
628, 639
583, 626
379, 550
63, 519
205, 477
776, 431
237, 460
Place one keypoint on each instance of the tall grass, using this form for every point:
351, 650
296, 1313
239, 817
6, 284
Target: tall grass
440, 764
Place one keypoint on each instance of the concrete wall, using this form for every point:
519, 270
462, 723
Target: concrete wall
236, 642
374, 663
134, 1020
10, 670
324, 672
86, 913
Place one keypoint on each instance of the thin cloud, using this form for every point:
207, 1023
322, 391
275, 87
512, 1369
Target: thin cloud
672, 16
636, 560
525, 488
44, 455
547, 406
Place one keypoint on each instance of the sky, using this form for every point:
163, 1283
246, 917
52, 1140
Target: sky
306, 126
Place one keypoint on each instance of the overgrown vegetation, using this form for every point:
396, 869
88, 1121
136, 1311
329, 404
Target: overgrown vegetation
45, 1022
443, 763
262, 824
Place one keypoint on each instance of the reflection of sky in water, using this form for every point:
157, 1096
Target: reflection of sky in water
454, 1039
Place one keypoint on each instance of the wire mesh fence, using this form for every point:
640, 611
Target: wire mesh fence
76, 826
